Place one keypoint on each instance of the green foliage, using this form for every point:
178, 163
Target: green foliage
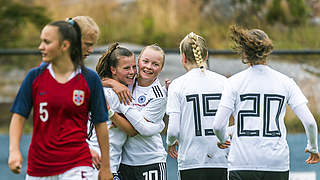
148, 29
298, 11
248, 12
14, 16
296, 14
276, 13
287, 12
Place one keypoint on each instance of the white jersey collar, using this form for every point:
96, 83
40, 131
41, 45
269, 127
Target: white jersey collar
70, 77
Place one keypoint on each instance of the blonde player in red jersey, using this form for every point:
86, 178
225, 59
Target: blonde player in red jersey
257, 98
193, 100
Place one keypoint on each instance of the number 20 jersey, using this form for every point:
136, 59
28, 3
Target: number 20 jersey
196, 96
258, 98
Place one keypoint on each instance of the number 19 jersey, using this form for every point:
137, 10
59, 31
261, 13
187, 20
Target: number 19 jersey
258, 98
196, 96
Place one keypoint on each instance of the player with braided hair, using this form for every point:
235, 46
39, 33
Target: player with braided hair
193, 100
197, 51
257, 98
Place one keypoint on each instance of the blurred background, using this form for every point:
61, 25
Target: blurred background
292, 25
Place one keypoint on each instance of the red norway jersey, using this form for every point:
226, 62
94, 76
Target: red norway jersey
60, 116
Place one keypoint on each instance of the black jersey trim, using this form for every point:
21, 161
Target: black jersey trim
157, 91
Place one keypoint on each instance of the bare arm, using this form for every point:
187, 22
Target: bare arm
121, 90
123, 124
103, 139
15, 133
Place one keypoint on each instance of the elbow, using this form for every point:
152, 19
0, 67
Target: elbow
132, 133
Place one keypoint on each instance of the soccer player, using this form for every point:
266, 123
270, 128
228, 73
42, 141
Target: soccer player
257, 98
144, 157
119, 64
193, 100
62, 92
89, 33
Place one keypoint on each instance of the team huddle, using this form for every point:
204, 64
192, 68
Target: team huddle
107, 124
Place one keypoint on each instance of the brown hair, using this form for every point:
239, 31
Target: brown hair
253, 45
71, 32
111, 59
195, 49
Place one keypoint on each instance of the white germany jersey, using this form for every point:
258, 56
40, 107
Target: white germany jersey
258, 98
117, 138
196, 96
144, 150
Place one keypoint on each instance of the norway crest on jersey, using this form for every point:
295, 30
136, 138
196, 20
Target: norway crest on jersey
78, 97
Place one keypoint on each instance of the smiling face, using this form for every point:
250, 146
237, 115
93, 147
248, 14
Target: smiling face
150, 65
50, 45
125, 70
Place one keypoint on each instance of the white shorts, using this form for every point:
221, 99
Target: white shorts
77, 173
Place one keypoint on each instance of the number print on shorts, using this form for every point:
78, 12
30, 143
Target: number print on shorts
43, 112
269, 99
194, 98
150, 175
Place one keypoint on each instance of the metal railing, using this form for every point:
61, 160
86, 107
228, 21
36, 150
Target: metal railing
5, 52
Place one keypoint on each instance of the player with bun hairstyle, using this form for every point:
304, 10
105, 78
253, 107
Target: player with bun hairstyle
62, 92
193, 100
257, 98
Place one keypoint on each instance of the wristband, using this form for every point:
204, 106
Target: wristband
110, 113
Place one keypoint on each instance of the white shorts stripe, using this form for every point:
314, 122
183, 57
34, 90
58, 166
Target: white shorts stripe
163, 171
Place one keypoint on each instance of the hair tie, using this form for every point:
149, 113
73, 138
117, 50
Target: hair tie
70, 21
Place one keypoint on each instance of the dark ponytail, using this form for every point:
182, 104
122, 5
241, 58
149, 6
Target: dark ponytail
111, 59
71, 32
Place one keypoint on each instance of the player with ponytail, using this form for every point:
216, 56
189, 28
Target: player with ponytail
62, 92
